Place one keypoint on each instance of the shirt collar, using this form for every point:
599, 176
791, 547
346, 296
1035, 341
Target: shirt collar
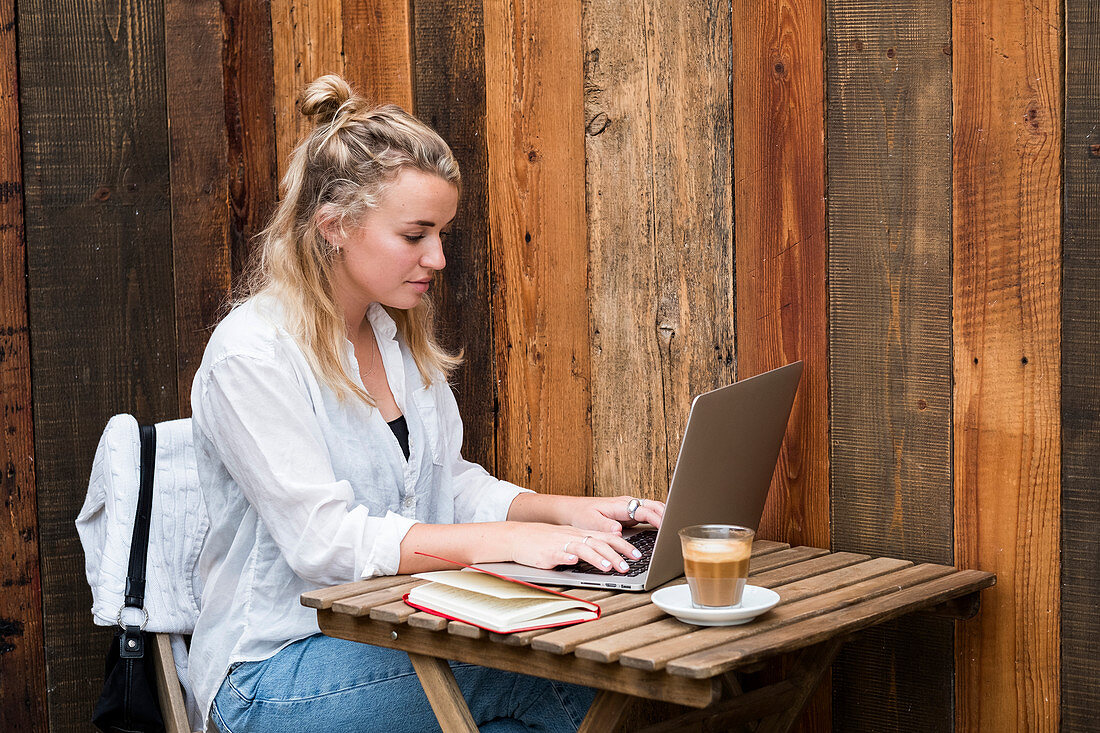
381, 321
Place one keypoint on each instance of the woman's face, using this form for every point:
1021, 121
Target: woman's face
390, 256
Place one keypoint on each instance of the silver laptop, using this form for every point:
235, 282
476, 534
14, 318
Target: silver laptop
722, 476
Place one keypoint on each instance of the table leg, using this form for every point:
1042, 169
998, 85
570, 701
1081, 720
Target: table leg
444, 696
606, 712
806, 674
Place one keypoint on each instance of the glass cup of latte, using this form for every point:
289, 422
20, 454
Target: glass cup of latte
716, 563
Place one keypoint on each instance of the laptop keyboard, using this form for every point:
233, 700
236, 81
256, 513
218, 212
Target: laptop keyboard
643, 542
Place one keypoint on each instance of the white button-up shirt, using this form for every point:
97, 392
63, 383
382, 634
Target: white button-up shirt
306, 490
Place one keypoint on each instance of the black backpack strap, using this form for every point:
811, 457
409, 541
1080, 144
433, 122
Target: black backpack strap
131, 639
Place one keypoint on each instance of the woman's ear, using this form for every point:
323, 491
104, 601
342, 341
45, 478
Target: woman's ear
329, 226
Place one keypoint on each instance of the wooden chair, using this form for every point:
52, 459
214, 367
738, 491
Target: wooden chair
169, 691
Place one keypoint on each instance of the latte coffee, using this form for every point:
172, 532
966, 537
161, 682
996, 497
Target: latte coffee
716, 563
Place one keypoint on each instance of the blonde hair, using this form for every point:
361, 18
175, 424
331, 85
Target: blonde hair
338, 172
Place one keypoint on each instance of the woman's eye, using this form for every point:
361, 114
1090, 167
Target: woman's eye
414, 237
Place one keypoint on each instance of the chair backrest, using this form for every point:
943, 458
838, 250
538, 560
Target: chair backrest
169, 690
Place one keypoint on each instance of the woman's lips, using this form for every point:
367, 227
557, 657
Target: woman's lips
421, 285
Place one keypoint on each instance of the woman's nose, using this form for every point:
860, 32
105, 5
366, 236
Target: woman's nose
434, 258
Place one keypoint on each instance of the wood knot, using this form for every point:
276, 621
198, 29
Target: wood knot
597, 124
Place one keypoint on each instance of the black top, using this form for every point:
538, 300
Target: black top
400, 430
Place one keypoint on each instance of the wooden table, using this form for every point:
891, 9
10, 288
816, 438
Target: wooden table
635, 649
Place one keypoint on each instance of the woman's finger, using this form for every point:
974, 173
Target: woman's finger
604, 555
651, 511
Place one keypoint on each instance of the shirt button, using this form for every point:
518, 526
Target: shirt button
409, 501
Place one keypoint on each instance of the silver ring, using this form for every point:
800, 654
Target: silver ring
631, 507
585, 540
565, 549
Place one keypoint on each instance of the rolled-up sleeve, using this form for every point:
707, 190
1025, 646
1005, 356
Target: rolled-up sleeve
479, 496
262, 423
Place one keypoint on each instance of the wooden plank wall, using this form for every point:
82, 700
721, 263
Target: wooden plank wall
659, 229
449, 39
97, 221
1080, 543
1008, 96
888, 69
534, 125
22, 652
644, 187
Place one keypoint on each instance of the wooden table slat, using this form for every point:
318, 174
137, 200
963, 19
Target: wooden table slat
763, 563
397, 612
323, 598
764, 547
469, 631
807, 568
362, 604
425, 620
564, 641
610, 647
718, 659
656, 656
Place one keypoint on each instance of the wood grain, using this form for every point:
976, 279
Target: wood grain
249, 87
198, 145
1007, 239
798, 602
22, 652
378, 49
307, 42
659, 195
650, 685
98, 228
1080, 616
539, 253
450, 96
847, 619
779, 199
169, 692
888, 71
444, 696
325, 597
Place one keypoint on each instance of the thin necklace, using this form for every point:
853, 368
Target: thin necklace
364, 375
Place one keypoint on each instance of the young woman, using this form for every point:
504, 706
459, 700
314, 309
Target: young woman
328, 444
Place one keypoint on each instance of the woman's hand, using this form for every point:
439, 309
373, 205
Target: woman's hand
611, 514
543, 545
600, 513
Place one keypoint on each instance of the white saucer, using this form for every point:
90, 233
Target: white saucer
676, 601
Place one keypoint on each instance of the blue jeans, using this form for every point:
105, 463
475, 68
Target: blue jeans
322, 683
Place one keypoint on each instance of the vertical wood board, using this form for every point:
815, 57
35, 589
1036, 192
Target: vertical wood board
22, 658
1080, 543
96, 172
535, 127
307, 42
659, 195
888, 70
378, 48
1007, 90
780, 242
198, 145
249, 87
450, 96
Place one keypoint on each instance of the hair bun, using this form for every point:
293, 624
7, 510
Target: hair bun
326, 97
